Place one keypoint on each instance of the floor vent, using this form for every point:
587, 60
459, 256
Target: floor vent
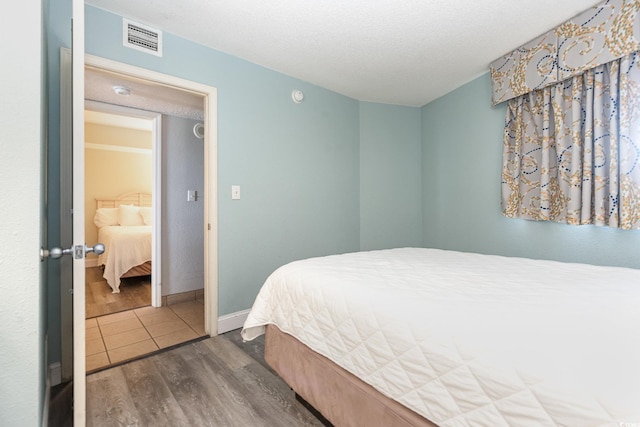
140, 37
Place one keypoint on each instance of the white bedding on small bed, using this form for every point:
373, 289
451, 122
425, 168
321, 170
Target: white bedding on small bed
467, 339
125, 248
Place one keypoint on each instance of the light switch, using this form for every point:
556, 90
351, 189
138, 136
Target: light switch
192, 195
235, 192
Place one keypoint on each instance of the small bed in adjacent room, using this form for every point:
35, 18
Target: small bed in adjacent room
125, 228
424, 337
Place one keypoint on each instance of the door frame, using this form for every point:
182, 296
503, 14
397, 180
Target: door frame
210, 226
210, 223
156, 191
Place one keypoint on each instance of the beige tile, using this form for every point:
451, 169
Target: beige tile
92, 334
96, 361
193, 316
145, 311
160, 317
94, 346
91, 323
186, 308
198, 328
126, 338
120, 326
196, 322
176, 337
132, 350
166, 327
116, 317
181, 297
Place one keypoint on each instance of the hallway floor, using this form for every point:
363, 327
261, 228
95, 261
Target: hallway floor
126, 335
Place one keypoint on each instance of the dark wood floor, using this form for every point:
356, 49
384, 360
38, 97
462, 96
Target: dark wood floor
135, 292
218, 381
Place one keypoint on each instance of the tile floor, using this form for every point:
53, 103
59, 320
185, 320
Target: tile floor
122, 336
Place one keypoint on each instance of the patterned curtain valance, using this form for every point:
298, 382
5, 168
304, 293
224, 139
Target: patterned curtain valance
597, 36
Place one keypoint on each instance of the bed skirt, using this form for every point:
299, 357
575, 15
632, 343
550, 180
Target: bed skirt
338, 395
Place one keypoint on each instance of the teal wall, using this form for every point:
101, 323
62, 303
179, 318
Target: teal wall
298, 165
390, 176
462, 158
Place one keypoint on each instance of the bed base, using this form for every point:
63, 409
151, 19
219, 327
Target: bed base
138, 270
338, 395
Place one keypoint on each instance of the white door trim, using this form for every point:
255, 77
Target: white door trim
210, 226
79, 368
156, 201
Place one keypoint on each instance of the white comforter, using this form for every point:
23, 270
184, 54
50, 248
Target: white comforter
467, 339
125, 247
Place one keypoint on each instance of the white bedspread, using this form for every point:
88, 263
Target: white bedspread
125, 247
467, 339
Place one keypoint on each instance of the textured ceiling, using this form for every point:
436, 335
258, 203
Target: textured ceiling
98, 86
405, 52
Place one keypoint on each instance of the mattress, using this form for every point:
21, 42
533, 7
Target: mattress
125, 248
468, 339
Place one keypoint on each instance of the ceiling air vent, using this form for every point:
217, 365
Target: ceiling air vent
140, 37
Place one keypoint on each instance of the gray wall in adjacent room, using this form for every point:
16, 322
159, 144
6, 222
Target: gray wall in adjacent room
182, 221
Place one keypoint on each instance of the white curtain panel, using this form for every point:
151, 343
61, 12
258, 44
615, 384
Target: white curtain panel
572, 150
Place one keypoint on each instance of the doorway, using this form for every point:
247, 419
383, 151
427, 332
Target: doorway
73, 315
178, 312
119, 171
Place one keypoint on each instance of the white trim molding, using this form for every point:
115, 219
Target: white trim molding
232, 321
122, 148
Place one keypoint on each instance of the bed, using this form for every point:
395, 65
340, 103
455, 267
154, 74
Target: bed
125, 228
424, 337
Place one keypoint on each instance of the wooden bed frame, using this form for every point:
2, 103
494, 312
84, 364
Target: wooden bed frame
339, 396
135, 199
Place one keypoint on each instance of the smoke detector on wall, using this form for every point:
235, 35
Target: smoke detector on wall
297, 96
198, 130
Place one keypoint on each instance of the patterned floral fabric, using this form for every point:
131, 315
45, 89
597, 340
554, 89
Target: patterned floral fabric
572, 150
597, 36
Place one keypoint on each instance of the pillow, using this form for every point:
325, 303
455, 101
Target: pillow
147, 215
106, 216
130, 215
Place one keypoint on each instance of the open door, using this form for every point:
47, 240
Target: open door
72, 234
79, 248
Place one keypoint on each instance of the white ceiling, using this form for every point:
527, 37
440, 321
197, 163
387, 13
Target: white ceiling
405, 52
99, 84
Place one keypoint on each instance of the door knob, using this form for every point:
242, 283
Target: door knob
97, 249
56, 253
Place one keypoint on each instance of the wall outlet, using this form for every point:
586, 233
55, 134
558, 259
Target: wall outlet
192, 195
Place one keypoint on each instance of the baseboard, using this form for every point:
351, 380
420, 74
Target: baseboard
91, 262
55, 374
232, 321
